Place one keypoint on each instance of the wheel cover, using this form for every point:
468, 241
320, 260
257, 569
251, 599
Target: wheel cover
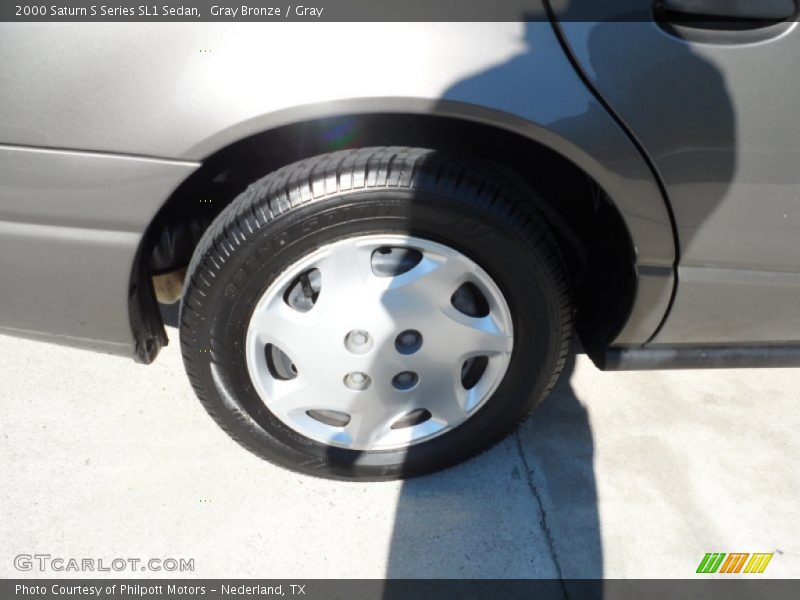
353, 353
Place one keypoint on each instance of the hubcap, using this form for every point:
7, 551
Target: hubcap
379, 342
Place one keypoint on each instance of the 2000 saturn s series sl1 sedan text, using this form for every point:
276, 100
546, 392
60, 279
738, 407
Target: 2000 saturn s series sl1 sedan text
382, 236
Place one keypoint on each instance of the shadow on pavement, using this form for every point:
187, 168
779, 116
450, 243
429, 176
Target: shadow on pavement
525, 509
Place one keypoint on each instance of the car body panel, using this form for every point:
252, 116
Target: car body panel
719, 118
149, 91
70, 227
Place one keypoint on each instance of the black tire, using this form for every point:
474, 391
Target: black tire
291, 212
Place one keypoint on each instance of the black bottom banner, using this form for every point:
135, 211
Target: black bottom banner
414, 589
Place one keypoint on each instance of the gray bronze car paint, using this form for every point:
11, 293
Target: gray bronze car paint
148, 91
719, 117
70, 225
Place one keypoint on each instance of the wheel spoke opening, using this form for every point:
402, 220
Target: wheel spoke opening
303, 291
333, 418
391, 261
468, 299
279, 365
472, 370
415, 417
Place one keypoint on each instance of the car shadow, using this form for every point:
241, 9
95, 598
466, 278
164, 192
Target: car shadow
528, 508
525, 509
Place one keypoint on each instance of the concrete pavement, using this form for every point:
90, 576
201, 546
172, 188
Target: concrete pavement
617, 475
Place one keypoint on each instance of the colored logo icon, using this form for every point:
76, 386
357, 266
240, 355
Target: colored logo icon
737, 562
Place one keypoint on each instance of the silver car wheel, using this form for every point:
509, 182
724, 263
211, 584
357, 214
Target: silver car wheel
379, 342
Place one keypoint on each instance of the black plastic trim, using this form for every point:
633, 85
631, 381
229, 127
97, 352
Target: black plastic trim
698, 357
146, 324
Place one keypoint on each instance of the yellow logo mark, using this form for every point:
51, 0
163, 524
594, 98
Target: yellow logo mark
758, 563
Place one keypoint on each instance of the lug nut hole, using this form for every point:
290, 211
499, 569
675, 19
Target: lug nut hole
405, 380
408, 342
357, 381
358, 341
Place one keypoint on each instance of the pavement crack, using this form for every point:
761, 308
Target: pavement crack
542, 514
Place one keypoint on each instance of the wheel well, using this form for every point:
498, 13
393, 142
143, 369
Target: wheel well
590, 231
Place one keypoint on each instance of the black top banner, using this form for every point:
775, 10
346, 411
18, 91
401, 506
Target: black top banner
271, 10
228, 11
326, 10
